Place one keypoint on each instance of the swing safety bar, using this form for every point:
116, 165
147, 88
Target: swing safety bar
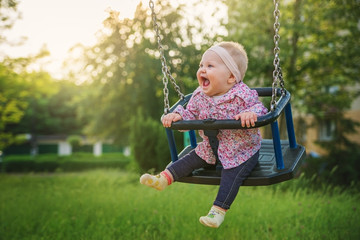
213, 124
283, 104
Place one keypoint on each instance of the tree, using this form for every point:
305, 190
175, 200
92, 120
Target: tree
32, 102
125, 72
318, 48
332, 63
251, 24
51, 107
12, 103
320, 58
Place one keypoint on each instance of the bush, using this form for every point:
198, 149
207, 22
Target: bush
149, 143
74, 141
340, 167
53, 162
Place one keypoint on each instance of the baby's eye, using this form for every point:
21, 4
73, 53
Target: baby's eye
210, 66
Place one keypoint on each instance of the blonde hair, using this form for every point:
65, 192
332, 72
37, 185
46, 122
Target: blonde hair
238, 53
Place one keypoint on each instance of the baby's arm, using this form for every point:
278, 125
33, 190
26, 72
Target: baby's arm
181, 113
169, 118
247, 118
253, 108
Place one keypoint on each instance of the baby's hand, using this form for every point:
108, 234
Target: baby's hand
247, 118
169, 118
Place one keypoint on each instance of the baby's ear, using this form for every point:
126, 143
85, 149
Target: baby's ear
232, 79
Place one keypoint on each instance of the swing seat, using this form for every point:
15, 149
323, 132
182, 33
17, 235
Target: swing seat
265, 172
279, 160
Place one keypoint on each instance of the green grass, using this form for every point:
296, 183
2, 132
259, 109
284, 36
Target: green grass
109, 204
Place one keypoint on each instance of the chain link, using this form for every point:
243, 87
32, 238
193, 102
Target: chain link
164, 67
277, 73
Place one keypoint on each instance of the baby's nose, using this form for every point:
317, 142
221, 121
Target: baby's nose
202, 69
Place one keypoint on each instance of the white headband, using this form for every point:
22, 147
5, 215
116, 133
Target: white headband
228, 60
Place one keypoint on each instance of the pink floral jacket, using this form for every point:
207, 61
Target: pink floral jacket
235, 146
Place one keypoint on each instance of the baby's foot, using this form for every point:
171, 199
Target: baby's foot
214, 218
158, 182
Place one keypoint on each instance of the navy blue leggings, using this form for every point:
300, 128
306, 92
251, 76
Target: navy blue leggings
231, 179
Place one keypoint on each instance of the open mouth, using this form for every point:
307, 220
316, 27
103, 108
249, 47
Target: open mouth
205, 82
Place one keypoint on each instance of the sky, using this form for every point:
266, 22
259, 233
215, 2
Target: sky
61, 24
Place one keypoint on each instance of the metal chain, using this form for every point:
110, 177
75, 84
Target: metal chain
164, 67
277, 73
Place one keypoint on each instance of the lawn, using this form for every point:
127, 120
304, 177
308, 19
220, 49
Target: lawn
111, 204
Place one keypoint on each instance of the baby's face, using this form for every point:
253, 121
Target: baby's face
213, 76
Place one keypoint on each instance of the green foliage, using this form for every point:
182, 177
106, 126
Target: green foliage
74, 140
124, 71
318, 50
251, 24
149, 143
55, 163
320, 61
339, 167
35, 103
51, 107
113, 205
12, 103
329, 62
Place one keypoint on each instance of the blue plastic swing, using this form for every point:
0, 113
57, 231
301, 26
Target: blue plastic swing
279, 159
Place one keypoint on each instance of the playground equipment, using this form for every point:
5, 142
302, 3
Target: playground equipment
279, 160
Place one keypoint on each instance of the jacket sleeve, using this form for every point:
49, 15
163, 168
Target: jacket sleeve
190, 112
253, 103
